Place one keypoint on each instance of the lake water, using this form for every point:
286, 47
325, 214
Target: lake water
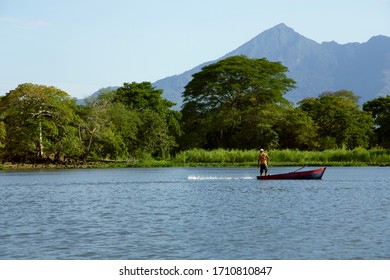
194, 213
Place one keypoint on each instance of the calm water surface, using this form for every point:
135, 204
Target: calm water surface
194, 213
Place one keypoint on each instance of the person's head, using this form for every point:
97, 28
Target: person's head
261, 150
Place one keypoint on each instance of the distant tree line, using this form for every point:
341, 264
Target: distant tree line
236, 103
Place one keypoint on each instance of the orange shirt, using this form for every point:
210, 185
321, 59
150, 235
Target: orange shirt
263, 158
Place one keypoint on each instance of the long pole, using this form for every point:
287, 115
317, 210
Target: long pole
300, 168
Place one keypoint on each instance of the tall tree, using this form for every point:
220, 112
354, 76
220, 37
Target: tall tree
339, 120
238, 82
142, 96
217, 102
380, 110
296, 130
106, 127
39, 122
159, 125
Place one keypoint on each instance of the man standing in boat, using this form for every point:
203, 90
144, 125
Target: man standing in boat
262, 162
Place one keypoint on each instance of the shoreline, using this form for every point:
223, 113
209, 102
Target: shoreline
171, 164
222, 158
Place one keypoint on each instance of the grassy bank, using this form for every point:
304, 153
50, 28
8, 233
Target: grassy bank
341, 157
237, 158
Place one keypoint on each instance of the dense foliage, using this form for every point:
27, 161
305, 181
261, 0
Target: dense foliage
41, 123
339, 121
236, 103
380, 110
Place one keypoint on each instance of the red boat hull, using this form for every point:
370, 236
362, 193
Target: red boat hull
303, 175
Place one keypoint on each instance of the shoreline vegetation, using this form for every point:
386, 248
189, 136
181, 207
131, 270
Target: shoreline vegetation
228, 109
229, 158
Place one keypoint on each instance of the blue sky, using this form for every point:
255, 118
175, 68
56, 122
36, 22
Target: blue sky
81, 46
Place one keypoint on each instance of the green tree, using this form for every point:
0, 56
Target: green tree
104, 127
39, 123
227, 104
258, 127
379, 108
143, 96
126, 124
153, 135
159, 125
296, 130
2, 135
339, 120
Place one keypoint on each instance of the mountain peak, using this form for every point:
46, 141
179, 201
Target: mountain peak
273, 43
282, 26
280, 29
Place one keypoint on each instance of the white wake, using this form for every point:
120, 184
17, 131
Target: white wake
212, 178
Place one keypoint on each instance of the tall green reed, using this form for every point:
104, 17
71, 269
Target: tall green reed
357, 156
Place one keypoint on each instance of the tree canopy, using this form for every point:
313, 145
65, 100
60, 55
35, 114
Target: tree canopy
159, 125
40, 122
339, 120
233, 103
142, 96
380, 111
238, 82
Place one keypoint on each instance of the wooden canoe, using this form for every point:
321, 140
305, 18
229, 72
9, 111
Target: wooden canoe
302, 175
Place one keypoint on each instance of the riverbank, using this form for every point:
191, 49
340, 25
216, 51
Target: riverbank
340, 157
164, 163
233, 158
